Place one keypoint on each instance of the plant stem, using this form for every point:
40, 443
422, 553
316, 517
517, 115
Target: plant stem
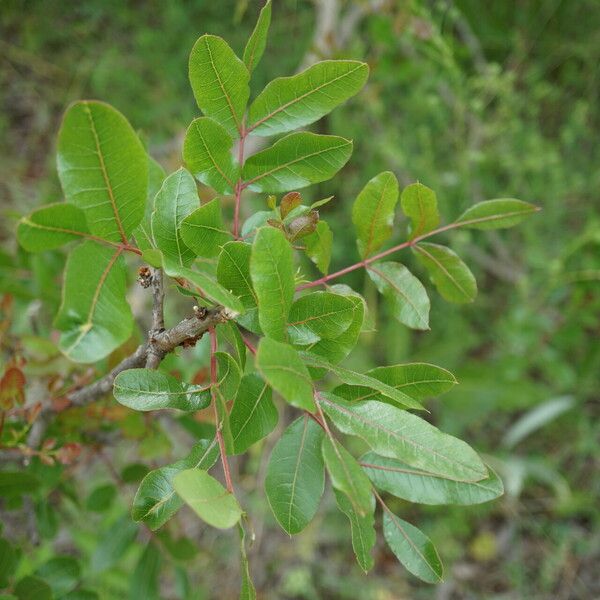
213, 383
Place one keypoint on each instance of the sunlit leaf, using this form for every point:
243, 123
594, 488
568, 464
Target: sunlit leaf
496, 214
419, 203
257, 42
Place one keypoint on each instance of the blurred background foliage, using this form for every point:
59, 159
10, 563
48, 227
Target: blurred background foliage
477, 100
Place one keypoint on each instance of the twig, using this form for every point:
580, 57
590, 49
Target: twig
155, 355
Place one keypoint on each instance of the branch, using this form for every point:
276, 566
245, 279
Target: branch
158, 318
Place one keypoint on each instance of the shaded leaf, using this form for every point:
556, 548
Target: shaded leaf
207, 498
103, 169
318, 246
145, 582
288, 103
112, 544
94, 316
253, 415
452, 278
258, 38
61, 573
15, 483
32, 588
295, 161
143, 232
405, 294
295, 475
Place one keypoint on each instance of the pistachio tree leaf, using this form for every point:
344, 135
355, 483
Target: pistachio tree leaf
52, 226
143, 232
452, 278
150, 389
32, 588
207, 151
207, 498
247, 591
219, 81
347, 476
496, 214
94, 317
272, 273
396, 433
412, 548
61, 573
318, 246
258, 38
362, 529
233, 272
373, 212
145, 579
112, 543
295, 475
204, 231
284, 370
253, 415
417, 380
288, 103
229, 377
155, 501
176, 199
295, 161
319, 315
419, 203
405, 294
401, 480
207, 287
353, 378
103, 169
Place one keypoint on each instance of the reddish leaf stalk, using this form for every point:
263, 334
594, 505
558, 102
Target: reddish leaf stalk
213, 383
239, 186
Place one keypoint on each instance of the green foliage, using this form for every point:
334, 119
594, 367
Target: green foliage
254, 282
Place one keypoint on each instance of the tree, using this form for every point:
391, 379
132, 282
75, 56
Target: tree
251, 298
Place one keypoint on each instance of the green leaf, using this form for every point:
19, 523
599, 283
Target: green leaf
225, 391
496, 214
288, 103
101, 498
318, 246
219, 81
207, 151
145, 580
282, 367
319, 315
452, 278
295, 475
207, 498
373, 212
412, 548
347, 477
52, 226
203, 230
406, 296
253, 415
233, 272
395, 433
417, 380
149, 389
32, 588
61, 573
103, 169
8, 562
207, 287
176, 199
296, 161
113, 543
362, 529
94, 316
419, 203
272, 273
353, 378
414, 485
81, 594
15, 483
143, 232
258, 39
156, 501
247, 591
